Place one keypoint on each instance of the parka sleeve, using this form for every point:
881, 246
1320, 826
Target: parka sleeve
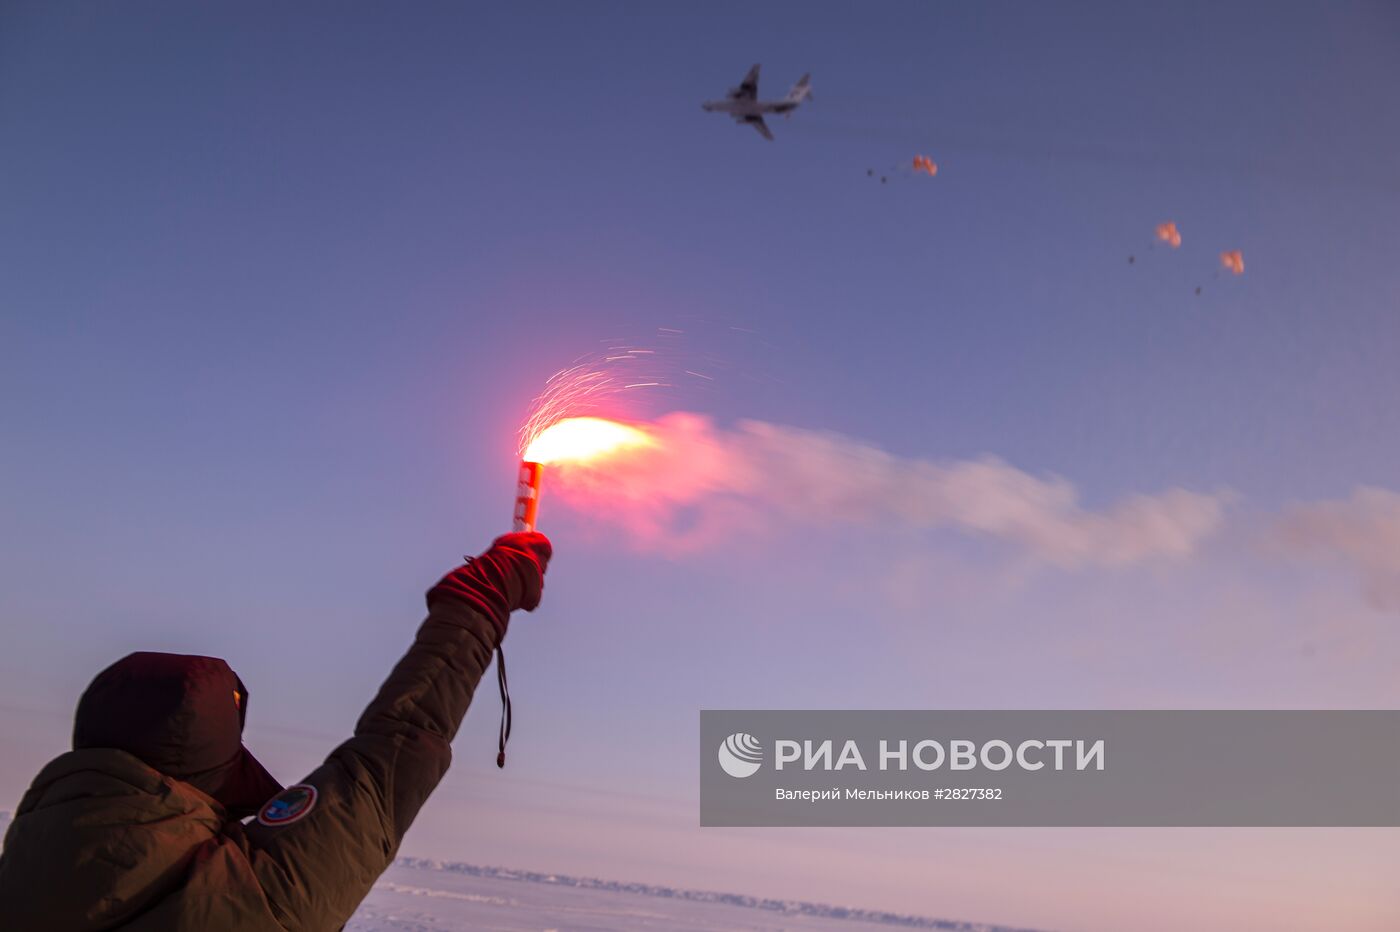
318, 865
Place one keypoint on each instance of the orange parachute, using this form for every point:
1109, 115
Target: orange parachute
1169, 234
1232, 261
923, 163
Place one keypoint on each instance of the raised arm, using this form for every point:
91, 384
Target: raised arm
317, 854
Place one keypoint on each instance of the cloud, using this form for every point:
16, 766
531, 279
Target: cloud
1362, 532
701, 483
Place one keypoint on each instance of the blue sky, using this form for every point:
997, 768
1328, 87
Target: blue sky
277, 286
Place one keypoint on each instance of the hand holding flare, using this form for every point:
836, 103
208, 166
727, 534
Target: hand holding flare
576, 438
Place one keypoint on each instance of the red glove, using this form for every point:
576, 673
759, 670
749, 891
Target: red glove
508, 576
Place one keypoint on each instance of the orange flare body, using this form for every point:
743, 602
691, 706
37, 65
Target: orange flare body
1233, 261
1169, 234
527, 496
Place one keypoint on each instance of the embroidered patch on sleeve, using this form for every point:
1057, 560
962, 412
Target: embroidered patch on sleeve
288, 806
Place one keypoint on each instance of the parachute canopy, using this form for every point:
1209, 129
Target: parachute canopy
1232, 261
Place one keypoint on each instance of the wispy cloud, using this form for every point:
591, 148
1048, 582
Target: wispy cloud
1361, 532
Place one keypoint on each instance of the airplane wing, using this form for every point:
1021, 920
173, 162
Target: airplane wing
762, 127
748, 89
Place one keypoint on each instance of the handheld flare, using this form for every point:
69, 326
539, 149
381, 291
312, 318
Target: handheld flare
527, 510
527, 495
573, 439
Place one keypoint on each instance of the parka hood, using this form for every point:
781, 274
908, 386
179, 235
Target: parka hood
182, 715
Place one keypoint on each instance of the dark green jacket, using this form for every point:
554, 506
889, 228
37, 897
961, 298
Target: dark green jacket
102, 841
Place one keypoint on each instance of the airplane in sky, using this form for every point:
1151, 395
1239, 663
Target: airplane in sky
743, 105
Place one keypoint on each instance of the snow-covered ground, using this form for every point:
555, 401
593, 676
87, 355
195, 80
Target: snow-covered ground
417, 895
427, 896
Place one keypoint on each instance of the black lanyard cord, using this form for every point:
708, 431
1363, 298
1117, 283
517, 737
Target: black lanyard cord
505, 706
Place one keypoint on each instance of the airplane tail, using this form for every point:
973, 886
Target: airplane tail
801, 91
